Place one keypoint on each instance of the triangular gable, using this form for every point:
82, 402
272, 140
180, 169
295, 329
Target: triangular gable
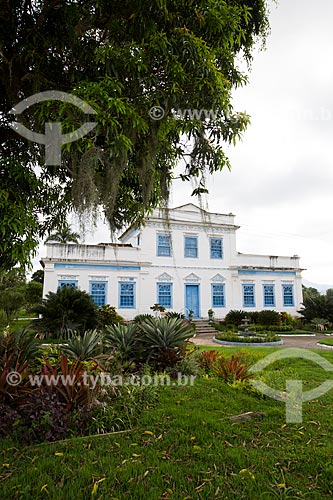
217, 277
192, 277
164, 277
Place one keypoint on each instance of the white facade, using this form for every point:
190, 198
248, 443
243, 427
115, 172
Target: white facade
184, 259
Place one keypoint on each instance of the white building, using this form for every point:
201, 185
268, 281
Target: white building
184, 259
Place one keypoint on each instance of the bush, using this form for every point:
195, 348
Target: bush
107, 315
235, 317
84, 347
162, 341
268, 317
142, 317
230, 369
259, 339
67, 309
123, 339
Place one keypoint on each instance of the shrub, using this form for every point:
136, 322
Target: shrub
230, 369
122, 339
259, 339
235, 317
67, 309
268, 317
107, 315
84, 347
163, 340
20, 345
142, 317
70, 382
174, 314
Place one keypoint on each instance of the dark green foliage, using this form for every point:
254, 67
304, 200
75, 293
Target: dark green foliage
38, 276
142, 317
163, 340
316, 305
107, 315
256, 339
174, 314
123, 58
66, 309
123, 339
267, 317
33, 294
64, 235
20, 345
235, 317
83, 347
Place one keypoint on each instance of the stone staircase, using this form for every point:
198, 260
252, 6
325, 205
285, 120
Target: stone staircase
204, 329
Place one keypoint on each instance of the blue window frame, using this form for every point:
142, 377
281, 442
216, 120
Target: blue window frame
248, 296
127, 295
216, 248
269, 295
218, 295
164, 294
191, 247
97, 290
288, 295
163, 245
71, 283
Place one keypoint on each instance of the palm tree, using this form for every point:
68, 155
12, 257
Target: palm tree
64, 235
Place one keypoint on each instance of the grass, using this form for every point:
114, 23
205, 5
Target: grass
188, 448
328, 341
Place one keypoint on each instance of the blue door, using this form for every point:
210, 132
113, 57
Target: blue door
192, 300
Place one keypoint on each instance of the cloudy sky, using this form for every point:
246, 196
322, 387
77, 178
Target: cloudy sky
281, 184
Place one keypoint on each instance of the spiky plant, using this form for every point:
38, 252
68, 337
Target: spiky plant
84, 347
123, 339
163, 340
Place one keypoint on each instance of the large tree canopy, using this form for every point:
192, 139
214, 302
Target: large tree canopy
127, 59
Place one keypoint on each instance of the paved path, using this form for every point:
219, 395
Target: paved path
299, 341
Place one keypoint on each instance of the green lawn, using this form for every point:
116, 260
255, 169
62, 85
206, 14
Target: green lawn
188, 448
327, 341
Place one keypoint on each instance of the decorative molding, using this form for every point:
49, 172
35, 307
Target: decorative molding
65, 277
164, 277
125, 278
192, 278
98, 278
188, 227
218, 277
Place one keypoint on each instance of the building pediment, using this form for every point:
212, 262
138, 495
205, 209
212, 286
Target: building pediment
164, 277
192, 278
218, 278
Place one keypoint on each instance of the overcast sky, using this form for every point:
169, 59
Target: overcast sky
281, 184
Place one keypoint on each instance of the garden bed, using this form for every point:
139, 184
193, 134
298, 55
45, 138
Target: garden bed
248, 342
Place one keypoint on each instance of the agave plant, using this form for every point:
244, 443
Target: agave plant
163, 340
164, 333
83, 347
123, 339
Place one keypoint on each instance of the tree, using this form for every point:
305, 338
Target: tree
316, 305
64, 235
38, 276
33, 293
159, 75
67, 309
12, 293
